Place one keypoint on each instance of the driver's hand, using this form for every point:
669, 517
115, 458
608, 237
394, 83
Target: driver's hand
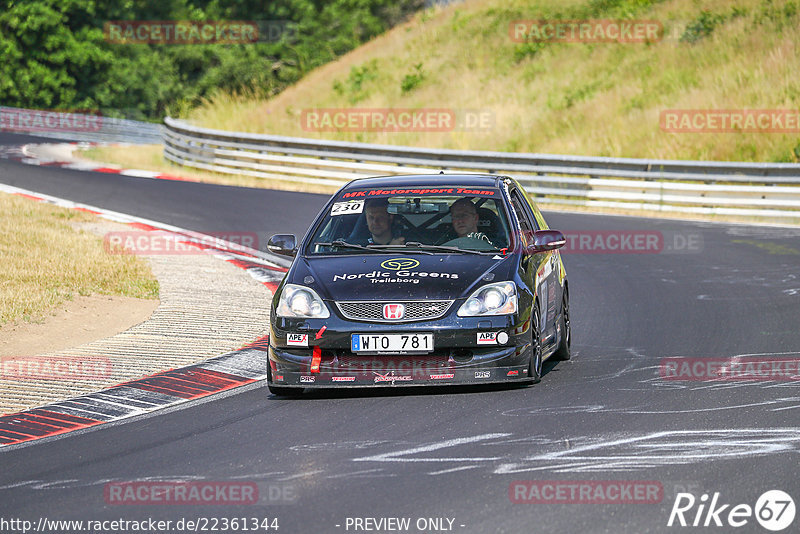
398, 241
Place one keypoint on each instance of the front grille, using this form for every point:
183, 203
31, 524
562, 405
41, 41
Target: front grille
415, 310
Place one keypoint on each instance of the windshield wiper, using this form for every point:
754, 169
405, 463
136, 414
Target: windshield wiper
412, 245
340, 243
404, 247
443, 248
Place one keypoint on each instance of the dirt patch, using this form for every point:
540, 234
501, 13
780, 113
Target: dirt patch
74, 323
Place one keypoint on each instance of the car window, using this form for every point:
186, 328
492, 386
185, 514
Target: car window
474, 220
538, 217
527, 223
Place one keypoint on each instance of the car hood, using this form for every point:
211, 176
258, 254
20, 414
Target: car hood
408, 277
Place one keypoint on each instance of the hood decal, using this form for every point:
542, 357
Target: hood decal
413, 277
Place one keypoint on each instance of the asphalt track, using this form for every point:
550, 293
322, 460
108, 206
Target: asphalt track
606, 415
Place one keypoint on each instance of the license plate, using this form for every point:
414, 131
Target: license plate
391, 342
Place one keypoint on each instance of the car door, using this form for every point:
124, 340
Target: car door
557, 275
542, 267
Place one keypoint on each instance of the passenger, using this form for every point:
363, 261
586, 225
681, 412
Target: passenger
465, 219
379, 223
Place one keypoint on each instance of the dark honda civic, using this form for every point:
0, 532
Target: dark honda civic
420, 280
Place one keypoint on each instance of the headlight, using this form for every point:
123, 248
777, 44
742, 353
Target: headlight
299, 301
494, 299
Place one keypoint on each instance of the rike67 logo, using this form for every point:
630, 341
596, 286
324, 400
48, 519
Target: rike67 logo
774, 510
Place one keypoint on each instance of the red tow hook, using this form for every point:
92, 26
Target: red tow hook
315, 359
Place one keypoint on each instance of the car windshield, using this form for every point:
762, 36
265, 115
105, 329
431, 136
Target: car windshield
428, 220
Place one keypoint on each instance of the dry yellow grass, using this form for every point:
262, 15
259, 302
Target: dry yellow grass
568, 98
46, 262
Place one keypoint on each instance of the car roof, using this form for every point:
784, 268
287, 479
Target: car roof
419, 180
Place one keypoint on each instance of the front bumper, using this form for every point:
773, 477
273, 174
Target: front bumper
457, 358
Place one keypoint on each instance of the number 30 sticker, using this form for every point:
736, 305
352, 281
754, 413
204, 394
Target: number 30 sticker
351, 206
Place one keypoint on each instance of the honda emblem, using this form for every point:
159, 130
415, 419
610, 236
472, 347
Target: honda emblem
393, 311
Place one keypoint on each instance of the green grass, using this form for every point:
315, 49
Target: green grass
600, 99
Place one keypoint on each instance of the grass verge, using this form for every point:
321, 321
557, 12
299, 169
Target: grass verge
596, 99
46, 262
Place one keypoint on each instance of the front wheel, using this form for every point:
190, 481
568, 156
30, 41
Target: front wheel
564, 352
535, 365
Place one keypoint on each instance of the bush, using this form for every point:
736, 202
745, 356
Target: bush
412, 81
55, 55
701, 27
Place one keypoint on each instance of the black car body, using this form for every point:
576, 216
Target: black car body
435, 309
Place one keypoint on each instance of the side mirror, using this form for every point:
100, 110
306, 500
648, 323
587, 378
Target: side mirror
283, 244
544, 240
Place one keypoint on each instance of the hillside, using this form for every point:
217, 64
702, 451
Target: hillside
603, 99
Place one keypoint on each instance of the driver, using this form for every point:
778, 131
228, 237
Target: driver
379, 223
465, 219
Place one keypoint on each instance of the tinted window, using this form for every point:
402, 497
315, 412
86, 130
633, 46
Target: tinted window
466, 221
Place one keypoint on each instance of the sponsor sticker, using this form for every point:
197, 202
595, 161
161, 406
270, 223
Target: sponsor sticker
297, 340
343, 379
306, 379
446, 376
513, 373
405, 276
391, 377
483, 374
422, 191
400, 264
344, 208
487, 338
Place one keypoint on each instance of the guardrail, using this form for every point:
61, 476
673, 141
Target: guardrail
721, 188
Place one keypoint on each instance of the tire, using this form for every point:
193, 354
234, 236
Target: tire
535, 365
564, 351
